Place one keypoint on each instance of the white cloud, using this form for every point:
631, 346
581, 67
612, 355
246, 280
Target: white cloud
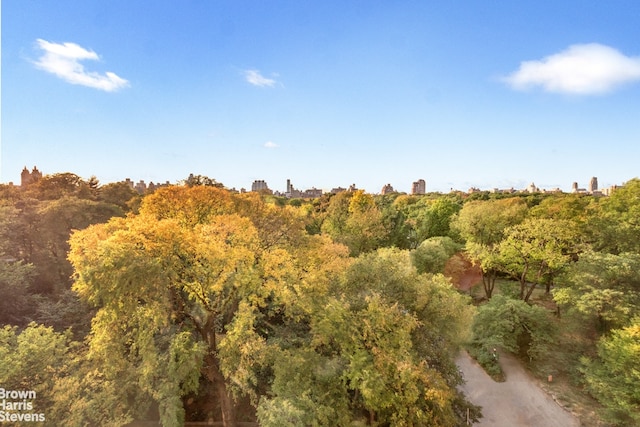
63, 60
255, 78
271, 144
582, 69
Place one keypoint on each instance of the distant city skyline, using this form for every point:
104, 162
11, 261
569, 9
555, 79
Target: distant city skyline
417, 187
327, 94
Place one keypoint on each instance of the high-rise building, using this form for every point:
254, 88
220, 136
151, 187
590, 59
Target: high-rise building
593, 185
419, 187
259, 185
387, 189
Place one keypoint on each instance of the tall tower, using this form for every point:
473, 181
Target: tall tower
35, 174
25, 177
419, 187
593, 185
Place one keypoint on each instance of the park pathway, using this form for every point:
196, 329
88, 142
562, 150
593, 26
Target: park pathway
517, 402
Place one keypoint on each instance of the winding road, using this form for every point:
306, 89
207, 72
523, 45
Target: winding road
517, 402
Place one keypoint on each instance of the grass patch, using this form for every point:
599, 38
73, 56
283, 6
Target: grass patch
487, 360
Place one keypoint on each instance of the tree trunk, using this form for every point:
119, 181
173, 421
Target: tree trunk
489, 282
529, 292
533, 285
211, 370
227, 404
523, 283
218, 390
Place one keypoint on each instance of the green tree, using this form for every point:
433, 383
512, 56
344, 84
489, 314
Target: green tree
276, 225
83, 395
390, 273
482, 225
208, 298
56, 220
120, 194
33, 251
616, 225
15, 282
513, 325
484, 222
613, 376
536, 251
570, 207
69, 390
183, 288
36, 232
62, 311
352, 218
427, 217
443, 317
51, 187
263, 345
163, 308
394, 220
437, 219
379, 349
603, 288
432, 254
33, 360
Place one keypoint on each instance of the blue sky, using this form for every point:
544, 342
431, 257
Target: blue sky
326, 93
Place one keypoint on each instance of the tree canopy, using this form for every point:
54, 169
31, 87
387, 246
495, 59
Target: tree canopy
213, 297
195, 303
613, 376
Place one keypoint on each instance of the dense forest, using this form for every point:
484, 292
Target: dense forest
194, 303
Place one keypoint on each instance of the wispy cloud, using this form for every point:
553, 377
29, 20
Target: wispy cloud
270, 144
255, 78
581, 69
64, 59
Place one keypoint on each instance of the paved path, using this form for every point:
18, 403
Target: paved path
517, 402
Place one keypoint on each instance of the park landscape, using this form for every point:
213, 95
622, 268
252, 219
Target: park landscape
180, 301
196, 304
